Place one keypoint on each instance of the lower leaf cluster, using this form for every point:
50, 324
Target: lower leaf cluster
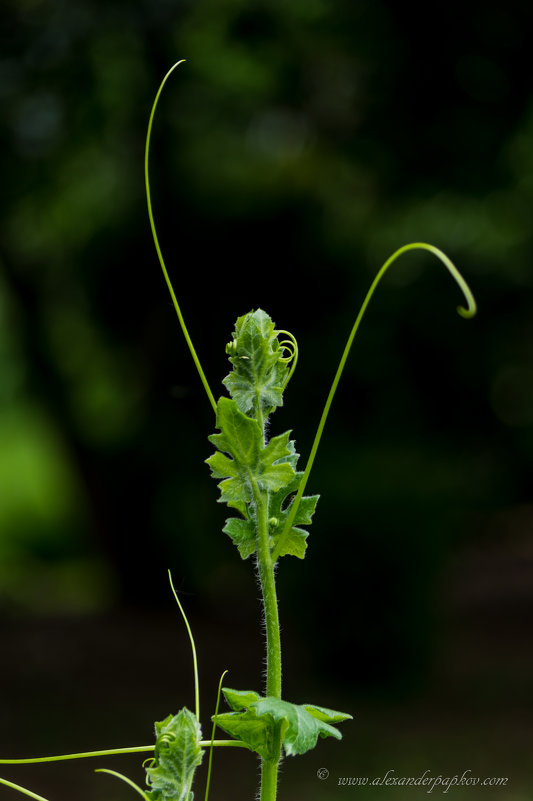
255, 721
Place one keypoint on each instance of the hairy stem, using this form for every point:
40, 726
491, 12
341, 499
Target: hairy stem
265, 567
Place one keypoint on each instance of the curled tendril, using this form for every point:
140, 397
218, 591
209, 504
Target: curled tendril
166, 739
290, 348
231, 348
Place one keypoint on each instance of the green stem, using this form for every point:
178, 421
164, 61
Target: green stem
466, 313
265, 567
269, 780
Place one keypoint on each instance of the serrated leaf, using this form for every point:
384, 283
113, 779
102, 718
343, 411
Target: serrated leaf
258, 376
242, 532
177, 755
255, 719
251, 463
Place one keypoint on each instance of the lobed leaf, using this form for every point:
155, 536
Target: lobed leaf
249, 462
254, 720
280, 506
242, 531
177, 755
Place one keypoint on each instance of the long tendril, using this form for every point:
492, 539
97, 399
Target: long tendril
462, 311
139, 749
82, 755
158, 248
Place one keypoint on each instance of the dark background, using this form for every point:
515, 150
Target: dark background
298, 146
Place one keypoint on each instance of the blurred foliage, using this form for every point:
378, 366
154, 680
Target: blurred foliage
298, 145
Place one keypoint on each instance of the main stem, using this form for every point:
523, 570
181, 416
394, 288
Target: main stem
265, 567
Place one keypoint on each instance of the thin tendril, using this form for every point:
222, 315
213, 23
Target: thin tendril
111, 752
462, 311
158, 248
208, 782
193, 647
124, 779
23, 790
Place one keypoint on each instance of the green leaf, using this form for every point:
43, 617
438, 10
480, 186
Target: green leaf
248, 463
258, 377
280, 505
305, 723
177, 755
254, 721
239, 699
242, 531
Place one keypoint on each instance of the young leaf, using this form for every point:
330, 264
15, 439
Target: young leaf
177, 755
252, 463
254, 720
259, 372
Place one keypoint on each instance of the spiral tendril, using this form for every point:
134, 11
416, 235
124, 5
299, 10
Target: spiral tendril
290, 347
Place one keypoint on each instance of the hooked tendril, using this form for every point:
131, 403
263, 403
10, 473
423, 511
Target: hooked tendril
461, 310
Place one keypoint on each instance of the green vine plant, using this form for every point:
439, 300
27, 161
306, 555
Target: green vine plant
263, 488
